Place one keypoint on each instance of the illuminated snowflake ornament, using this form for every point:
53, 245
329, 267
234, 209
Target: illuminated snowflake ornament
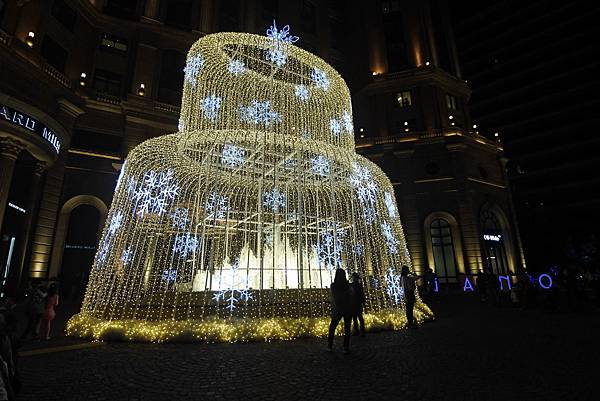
259, 113
335, 127
282, 35
180, 218
217, 205
155, 193
394, 286
115, 222
320, 79
237, 290
126, 256
348, 124
236, 67
390, 204
301, 92
233, 156
366, 190
321, 165
329, 245
185, 244
389, 237
274, 200
276, 56
180, 125
169, 275
192, 69
210, 107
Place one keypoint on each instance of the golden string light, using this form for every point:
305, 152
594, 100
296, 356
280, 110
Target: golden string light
231, 229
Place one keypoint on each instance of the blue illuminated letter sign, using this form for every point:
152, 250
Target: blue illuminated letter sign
507, 279
549, 281
468, 286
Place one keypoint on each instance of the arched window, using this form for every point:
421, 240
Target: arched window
493, 239
443, 250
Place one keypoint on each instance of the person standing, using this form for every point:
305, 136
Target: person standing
35, 310
341, 308
409, 286
358, 302
49, 313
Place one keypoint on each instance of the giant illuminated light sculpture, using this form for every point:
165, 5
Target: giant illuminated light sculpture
232, 228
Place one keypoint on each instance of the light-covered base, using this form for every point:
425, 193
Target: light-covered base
231, 330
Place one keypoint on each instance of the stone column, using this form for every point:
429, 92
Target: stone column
31, 207
9, 151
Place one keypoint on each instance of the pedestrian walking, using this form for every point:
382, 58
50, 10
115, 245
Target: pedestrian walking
409, 286
49, 313
34, 309
341, 294
358, 302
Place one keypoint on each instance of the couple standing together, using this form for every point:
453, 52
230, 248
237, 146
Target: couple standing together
348, 300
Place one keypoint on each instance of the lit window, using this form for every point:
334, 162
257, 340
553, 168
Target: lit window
450, 102
403, 99
443, 250
113, 42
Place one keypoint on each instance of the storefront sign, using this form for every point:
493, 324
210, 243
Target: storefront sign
20, 209
31, 124
492, 237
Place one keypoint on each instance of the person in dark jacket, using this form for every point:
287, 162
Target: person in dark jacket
341, 294
409, 286
358, 302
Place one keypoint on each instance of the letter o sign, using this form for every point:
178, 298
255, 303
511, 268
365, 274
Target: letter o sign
548, 281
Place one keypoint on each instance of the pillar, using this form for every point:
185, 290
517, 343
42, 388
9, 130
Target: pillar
31, 207
9, 151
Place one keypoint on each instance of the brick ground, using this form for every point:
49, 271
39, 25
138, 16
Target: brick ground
471, 352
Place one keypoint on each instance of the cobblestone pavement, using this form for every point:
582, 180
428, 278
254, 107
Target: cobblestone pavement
471, 352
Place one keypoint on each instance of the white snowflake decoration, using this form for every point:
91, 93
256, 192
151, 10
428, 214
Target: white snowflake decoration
329, 245
126, 256
180, 125
169, 275
192, 68
131, 185
321, 165
236, 67
389, 237
180, 218
366, 189
276, 56
306, 135
115, 223
217, 205
390, 205
121, 174
301, 92
348, 124
155, 193
274, 200
210, 107
394, 286
185, 244
320, 78
335, 127
282, 35
103, 250
359, 249
290, 163
235, 292
233, 156
259, 113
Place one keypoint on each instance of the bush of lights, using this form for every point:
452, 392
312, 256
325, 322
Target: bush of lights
231, 229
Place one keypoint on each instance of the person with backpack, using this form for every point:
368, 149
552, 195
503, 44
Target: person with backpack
341, 299
35, 308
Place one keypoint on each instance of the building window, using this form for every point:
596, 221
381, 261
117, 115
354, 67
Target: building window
450, 102
126, 9
443, 250
403, 99
308, 16
64, 14
171, 77
108, 82
178, 13
390, 6
113, 43
493, 238
54, 53
229, 15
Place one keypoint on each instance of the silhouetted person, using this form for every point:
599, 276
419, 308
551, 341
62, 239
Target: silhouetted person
35, 309
358, 302
340, 308
429, 284
409, 286
49, 313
